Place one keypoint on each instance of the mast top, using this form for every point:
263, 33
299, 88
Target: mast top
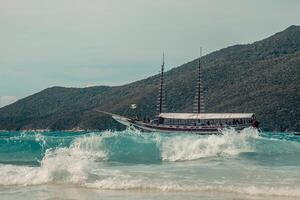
161, 99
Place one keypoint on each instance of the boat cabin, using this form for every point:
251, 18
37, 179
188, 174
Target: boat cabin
205, 119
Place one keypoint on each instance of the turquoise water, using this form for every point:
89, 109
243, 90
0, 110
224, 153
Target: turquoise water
134, 165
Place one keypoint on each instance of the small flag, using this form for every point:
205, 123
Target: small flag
133, 106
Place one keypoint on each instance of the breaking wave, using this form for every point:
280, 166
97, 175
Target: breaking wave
133, 160
126, 146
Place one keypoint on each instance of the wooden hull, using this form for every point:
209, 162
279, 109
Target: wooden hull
148, 127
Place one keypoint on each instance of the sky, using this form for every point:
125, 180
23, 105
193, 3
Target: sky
82, 43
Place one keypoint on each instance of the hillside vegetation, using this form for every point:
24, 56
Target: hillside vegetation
262, 77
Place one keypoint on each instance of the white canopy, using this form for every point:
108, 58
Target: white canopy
206, 115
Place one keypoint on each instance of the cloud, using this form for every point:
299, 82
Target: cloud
6, 100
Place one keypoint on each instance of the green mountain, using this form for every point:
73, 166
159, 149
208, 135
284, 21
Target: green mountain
262, 77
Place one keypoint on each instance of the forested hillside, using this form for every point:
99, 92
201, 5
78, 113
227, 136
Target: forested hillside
262, 77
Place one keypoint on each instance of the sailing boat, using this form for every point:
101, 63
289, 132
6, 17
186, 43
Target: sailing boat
198, 122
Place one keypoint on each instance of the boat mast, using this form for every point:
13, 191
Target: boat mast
199, 98
161, 103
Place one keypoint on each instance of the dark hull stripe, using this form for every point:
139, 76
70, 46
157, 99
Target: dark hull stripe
212, 130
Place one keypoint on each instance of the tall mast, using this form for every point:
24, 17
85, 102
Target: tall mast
199, 98
161, 100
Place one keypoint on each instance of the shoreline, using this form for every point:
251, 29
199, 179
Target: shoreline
78, 192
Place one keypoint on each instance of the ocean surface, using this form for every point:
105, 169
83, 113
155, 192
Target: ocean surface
135, 165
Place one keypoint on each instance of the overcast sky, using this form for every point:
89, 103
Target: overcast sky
81, 43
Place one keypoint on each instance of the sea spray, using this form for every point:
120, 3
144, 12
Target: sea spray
233, 162
191, 147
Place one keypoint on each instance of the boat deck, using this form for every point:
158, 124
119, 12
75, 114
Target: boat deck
211, 129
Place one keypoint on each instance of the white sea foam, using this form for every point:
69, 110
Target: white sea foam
71, 173
183, 147
80, 164
65, 165
169, 186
